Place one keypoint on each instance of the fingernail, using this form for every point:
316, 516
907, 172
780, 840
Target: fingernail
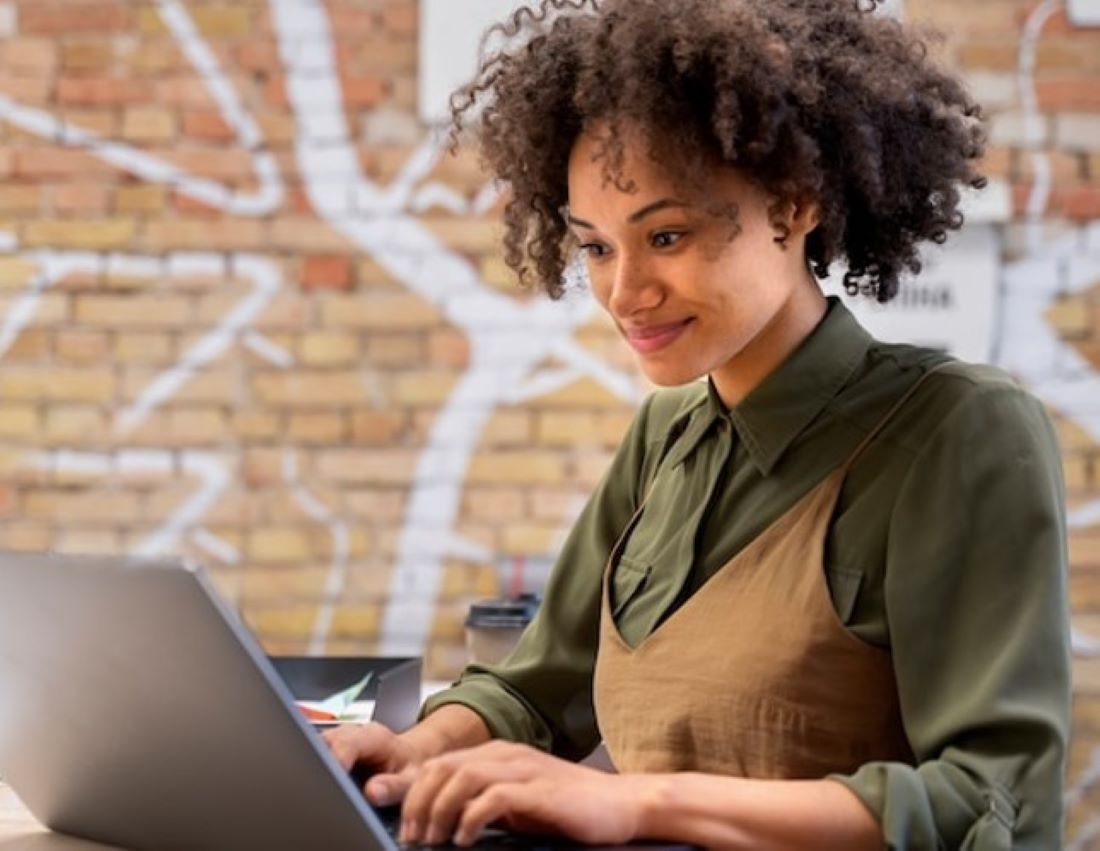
380, 793
412, 832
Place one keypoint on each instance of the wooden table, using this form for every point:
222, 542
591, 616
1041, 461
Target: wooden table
20, 832
14, 818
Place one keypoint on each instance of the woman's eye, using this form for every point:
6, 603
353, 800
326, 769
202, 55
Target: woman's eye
666, 239
594, 249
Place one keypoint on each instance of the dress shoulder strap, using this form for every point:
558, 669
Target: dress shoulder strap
889, 415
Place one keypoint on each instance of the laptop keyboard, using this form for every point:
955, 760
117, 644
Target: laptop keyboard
391, 821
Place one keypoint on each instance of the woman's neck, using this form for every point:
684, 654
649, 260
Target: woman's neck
792, 324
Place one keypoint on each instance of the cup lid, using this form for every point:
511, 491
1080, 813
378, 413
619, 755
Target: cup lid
503, 613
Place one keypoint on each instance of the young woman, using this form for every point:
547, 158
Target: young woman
818, 600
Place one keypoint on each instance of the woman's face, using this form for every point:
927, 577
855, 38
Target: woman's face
689, 299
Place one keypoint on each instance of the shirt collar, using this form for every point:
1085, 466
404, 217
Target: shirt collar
778, 409
699, 420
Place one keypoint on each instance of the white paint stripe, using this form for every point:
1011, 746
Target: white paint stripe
22, 312
264, 200
144, 462
413, 255
416, 168
443, 196
486, 198
67, 461
210, 471
617, 382
434, 501
1083, 272
213, 480
1085, 834
337, 576
266, 281
436, 195
1040, 193
1084, 515
1033, 350
52, 267
1084, 645
61, 263
541, 383
217, 547
269, 351
462, 548
134, 266
197, 264
1089, 776
202, 58
152, 169
56, 265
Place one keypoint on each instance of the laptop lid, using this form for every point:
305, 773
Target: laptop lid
136, 710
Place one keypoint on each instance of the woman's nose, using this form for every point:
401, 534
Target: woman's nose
634, 288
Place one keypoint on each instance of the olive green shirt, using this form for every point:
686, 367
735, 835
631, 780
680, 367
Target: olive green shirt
947, 546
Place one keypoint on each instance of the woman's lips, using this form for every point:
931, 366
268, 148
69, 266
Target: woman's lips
653, 338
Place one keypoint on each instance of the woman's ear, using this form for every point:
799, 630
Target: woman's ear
805, 216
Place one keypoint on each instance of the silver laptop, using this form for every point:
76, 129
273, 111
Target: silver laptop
137, 710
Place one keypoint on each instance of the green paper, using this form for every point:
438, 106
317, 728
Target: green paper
338, 703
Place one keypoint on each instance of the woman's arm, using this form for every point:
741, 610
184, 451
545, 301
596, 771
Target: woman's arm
975, 595
452, 727
460, 794
731, 812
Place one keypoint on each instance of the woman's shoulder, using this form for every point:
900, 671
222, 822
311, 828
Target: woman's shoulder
946, 381
959, 386
955, 401
959, 399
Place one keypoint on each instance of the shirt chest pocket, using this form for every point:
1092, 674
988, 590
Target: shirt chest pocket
628, 580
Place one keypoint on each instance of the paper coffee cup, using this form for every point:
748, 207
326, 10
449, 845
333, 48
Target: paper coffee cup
493, 627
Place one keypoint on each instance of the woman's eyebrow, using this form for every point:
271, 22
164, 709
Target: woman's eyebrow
656, 206
581, 223
633, 218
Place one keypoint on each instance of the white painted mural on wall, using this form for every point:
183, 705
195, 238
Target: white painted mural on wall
508, 339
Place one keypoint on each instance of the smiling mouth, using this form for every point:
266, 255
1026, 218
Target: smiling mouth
653, 338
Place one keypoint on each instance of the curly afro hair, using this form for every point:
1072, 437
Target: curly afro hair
817, 100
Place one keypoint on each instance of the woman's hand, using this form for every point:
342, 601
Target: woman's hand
457, 795
393, 758
390, 758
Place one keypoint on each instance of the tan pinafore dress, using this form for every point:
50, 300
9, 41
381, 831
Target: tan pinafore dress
754, 675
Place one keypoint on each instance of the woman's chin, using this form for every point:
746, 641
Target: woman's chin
669, 375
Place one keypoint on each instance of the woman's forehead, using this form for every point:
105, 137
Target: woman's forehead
640, 177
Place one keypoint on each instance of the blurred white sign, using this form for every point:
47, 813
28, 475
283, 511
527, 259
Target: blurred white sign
951, 305
450, 34
1084, 13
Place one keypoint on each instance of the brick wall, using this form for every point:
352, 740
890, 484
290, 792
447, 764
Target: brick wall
249, 314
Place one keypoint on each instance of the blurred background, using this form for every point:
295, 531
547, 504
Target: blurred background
252, 313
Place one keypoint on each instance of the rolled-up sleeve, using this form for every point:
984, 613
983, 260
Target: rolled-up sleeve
975, 595
542, 693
